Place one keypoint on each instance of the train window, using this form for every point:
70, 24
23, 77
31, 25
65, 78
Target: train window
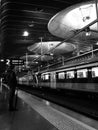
46, 76
42, 77
94, 72
82, 73
61, 75
70, 74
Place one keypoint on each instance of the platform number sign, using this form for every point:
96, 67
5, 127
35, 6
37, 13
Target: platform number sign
12, 61
7, 61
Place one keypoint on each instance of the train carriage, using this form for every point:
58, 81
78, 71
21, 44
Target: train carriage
80, 78
78, 75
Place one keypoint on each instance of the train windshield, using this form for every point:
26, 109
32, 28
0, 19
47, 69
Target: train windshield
94, 72
82, 73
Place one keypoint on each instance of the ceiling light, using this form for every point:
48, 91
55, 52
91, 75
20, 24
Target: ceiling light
31, 25
2, 60
51, 54
25, 33
97, 43
88, 32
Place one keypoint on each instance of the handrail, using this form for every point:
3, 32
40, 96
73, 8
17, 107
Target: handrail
73, 60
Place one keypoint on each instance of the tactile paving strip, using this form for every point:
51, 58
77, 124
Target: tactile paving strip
60, 120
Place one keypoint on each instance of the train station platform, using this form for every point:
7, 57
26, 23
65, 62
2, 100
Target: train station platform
37, 114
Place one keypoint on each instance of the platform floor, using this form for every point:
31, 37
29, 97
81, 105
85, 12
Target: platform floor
37, 114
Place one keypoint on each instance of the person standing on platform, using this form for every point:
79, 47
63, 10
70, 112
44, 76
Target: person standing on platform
12, 83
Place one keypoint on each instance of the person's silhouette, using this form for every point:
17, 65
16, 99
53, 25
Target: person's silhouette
12, 82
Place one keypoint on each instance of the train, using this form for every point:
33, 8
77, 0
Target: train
82, 78
77, 75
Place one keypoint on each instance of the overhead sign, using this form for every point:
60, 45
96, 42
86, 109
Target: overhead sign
12, 61
17, 62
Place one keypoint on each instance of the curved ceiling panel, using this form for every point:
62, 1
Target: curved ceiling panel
47, 48
66, 22
33, 59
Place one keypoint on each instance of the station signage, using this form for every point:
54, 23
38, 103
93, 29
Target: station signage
17, 62
12, 61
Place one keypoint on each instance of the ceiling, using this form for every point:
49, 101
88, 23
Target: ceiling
27, 15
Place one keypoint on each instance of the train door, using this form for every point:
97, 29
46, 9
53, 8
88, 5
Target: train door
53, 80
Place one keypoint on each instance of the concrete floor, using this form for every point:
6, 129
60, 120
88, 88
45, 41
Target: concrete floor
38, 114
25, 118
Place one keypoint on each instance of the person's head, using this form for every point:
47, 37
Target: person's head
10, 68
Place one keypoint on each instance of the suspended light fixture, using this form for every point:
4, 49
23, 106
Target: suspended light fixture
88, 32
25, 33
97, 43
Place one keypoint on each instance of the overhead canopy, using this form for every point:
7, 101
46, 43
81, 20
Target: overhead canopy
33, 59
67, 21
46, 47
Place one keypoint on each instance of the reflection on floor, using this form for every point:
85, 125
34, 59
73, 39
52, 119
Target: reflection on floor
37, 114
25, 118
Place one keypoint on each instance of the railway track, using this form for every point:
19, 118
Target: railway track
83, 106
